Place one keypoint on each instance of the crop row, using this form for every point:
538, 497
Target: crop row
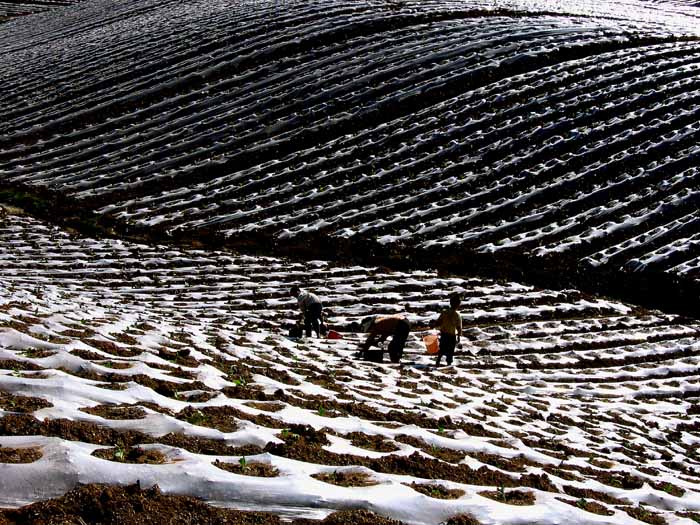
116, 353
422, 125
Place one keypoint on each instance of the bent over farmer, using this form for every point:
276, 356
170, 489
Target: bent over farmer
380, 328
450, 326
311, 309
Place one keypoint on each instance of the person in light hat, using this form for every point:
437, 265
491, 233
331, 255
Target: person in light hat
311, 310
379, 329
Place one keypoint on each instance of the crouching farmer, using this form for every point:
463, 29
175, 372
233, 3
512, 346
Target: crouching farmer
379, 329
311, 310
450, 325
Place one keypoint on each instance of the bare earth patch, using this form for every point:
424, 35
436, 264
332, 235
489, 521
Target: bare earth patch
511, 497
589, 506
116, 411
19, 455
249, 468
115, 505
131, 455
436, 491
346, 478
23, 404
643, 514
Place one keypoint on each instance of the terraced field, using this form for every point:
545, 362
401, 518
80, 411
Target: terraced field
122, 362
526, 135
548, 148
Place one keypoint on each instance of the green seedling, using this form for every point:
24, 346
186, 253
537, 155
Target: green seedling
321, 411
197, 418
287, 434
501, 493
119, 452
243, 463
581, 503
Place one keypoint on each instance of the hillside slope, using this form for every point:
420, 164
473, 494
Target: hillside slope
123, 363
558, 139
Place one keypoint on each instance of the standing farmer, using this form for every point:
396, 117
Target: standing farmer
311, 310
380, 328
450, 325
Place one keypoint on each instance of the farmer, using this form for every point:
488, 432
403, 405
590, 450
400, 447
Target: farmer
450, 325
379, 328
311, 310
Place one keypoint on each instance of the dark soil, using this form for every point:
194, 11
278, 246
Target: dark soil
19, 455
622, 480
511, 497
224, 418
643, 514
116, 411
563, 474
112, 348
12, 364
462, 519
87, 355
252, 392
23, 404
117, 365
199, 397
131, 455
445, 454
181, 357
346, 478
248, 468
38, 353
690, 515
370, 413
266, 407
668, 488
516, 464
589, 506
25, 425
350, 517
593, 494
374, 442
115, 505
299, 447
436, 491
211, 447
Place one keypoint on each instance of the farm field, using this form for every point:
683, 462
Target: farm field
122, 362
526, 135
169, 170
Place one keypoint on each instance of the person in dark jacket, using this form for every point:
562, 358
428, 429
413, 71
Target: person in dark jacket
379, 329
450, 325
311, 309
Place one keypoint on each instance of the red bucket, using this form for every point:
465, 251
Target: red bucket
332, 334
432, 344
